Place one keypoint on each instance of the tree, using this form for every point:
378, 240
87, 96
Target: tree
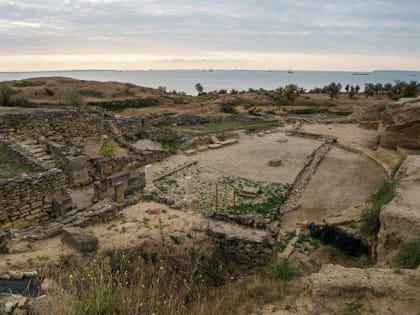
347, 88
357, 89
410, 90
199, 88
378, 89
369, 89
290, 91
352, 91
333, 89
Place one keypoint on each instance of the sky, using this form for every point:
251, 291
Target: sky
357, 35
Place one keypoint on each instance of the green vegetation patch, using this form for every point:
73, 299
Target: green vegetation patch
285, 268
382, 196
409, 255
133, 103
228, 198
10, 166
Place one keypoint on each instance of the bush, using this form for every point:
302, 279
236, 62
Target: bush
382, 196
49, 92
19, 101
107, 147
290, 91
285, 268
6, 93
73, 98
228, 107
171, 145
409, 255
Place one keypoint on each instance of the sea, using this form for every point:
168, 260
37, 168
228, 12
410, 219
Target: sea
185, 80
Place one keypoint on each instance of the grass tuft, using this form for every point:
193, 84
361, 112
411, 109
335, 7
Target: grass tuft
382, 196
409, 255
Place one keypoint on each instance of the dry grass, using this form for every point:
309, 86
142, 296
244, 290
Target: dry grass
164, 282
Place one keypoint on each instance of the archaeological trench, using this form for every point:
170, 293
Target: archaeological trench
291, 176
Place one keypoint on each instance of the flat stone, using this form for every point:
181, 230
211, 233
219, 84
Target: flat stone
214, 146
267, 132
202, 148
261, 134
275, 162
79, 239
214, 140
282, 140
229, 142
190, 152
251, 192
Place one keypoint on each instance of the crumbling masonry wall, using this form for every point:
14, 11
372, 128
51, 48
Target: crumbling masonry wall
53, 124
28, 200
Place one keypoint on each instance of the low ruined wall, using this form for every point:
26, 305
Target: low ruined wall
104, 167
28, 200
246, 247
117, 186
51, 124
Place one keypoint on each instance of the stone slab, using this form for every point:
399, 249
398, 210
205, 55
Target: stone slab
214, 146
190, 152
275, 162
202, 148
229, 142
251, 192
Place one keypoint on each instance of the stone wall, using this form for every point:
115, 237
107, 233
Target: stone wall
103, 167
27, 200
117, 186
53, 124
245, 247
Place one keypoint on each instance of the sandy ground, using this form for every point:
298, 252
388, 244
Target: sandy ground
137, 223
343, 179
249, 158
359, 138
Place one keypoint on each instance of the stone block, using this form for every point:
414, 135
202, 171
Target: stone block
214, 146
190, 152
275, 162
229, 142
79, 239
202, 148
250, 192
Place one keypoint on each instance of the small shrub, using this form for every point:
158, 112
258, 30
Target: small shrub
6, 93
49, 92
107, 147
290, 91
19, 101
171, 145
73, 98
409, 255
285, 268
228, 107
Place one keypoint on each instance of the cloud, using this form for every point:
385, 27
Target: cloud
186, 27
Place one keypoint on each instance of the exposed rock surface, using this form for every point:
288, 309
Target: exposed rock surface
377, 291
400, 219
401, 126
79, 239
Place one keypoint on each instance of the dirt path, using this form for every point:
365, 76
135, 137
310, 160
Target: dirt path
137, 223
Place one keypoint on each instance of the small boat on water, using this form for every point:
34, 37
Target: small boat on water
361, 73
290, 71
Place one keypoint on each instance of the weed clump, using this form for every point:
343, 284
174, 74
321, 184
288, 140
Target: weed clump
382, 196
285, 268
409, 255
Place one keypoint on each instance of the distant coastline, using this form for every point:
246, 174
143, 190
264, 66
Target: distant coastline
185, 80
